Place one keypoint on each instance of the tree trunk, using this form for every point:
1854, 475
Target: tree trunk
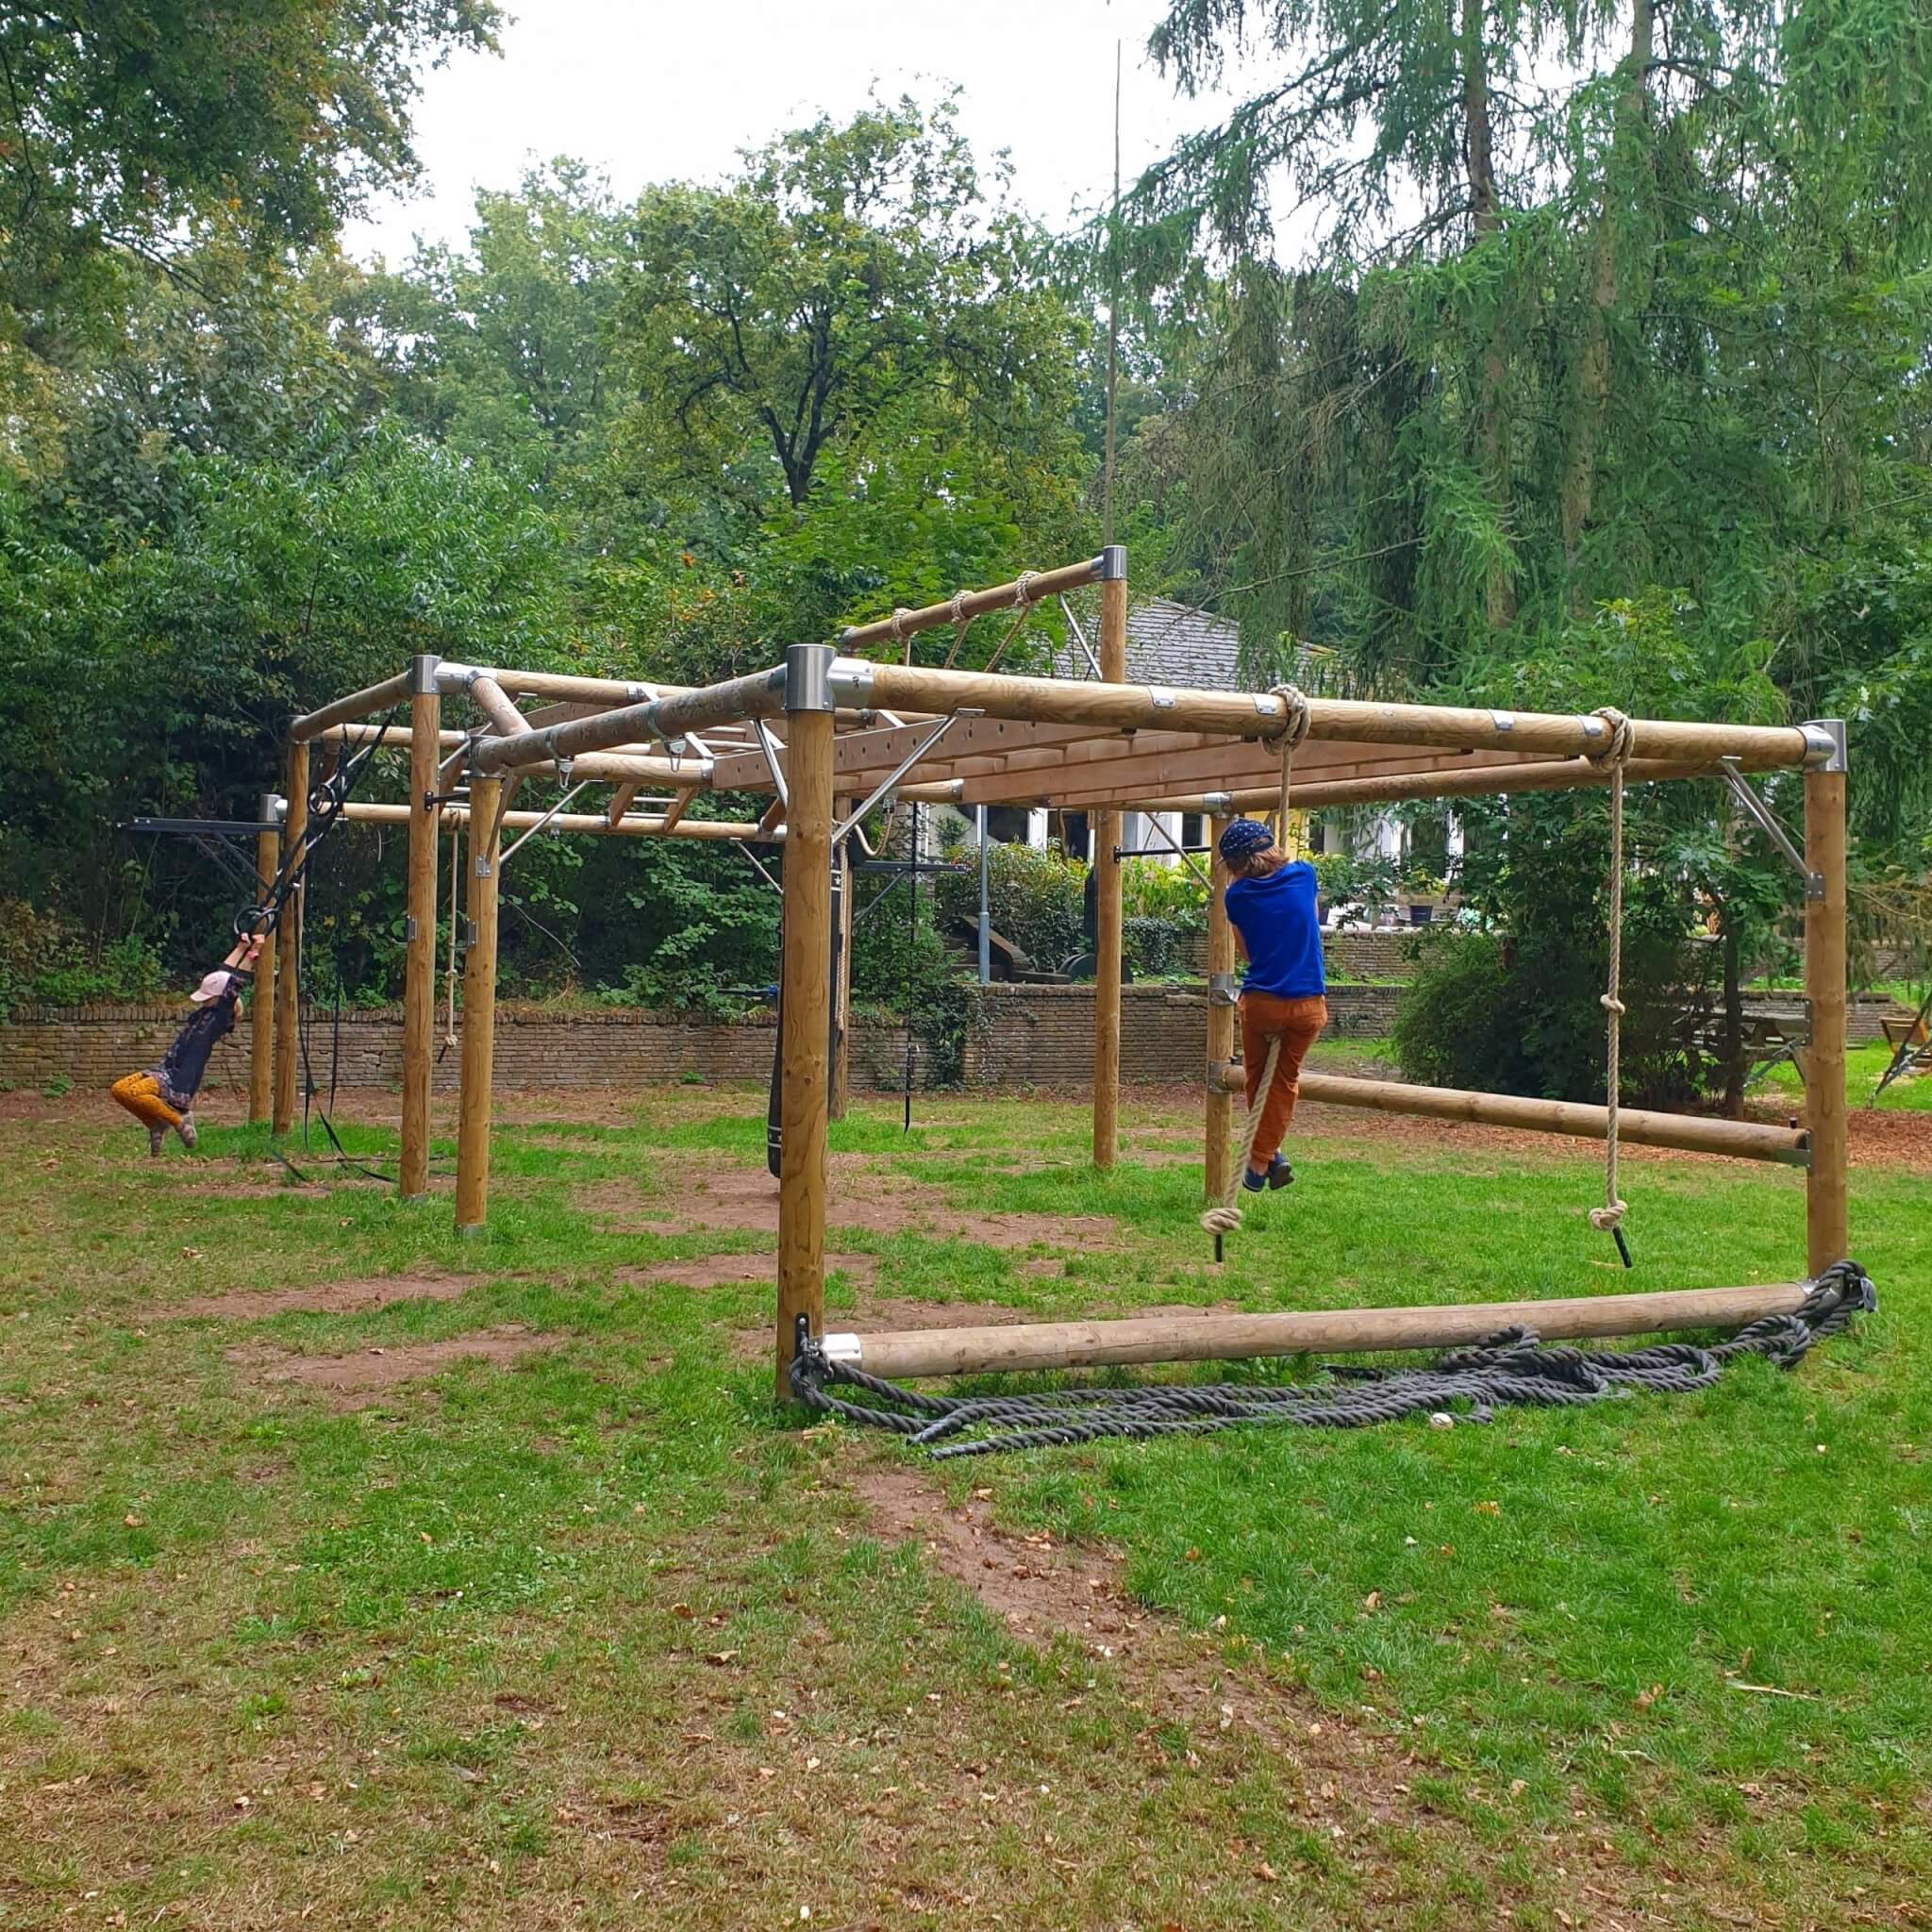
1592, 395
1492, 440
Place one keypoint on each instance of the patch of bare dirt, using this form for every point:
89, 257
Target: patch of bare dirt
747, 1202
328, 1298
353, 1381
724, 1271
1901, 1141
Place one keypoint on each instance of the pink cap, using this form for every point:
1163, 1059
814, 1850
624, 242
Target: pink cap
213, 988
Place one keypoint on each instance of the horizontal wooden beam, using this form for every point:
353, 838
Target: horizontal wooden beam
358, 703
972, 604
1142, 708
1033, 1346
1689, 1133
590, 824
600, 767
1489, 779
666, 719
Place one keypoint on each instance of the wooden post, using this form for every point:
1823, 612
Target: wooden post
418, 957
806, 1007
1107, 898
1827, 1232
262, 1009
841, 1093
480, 1008
289, 944
1220, 1015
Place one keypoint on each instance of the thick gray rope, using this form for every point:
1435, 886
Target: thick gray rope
1512, 1369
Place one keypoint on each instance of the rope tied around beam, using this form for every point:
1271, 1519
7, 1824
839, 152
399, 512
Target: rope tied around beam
960, 620
1296, 720
1510, 1369
900, 634
1615, 755
1023, 608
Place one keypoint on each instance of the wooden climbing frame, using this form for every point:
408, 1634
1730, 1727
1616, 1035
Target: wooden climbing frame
852, 720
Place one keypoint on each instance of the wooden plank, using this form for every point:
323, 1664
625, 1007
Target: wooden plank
1689, 1133
1037, 1345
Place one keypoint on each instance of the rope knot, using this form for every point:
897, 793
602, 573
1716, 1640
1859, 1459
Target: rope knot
1622, 735
1221, 1220
900, 613
1611, 1004
1608, 1219
958, 608
1296, 716
1023, 591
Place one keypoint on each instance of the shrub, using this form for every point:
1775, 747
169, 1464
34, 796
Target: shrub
1034, 898
44, 961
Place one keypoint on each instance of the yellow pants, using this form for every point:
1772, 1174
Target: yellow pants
141, 1095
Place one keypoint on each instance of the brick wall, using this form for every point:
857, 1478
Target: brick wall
1034, 1036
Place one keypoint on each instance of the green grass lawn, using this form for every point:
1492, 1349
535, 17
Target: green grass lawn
1864, 1068
597, 1637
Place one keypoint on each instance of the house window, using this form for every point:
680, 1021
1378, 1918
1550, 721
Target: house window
1074, 835
1193, 828
1007, 823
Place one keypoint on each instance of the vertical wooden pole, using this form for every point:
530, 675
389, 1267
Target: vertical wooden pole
288, 946
1220, 1015
418, 957
261, 1006
1107, 834
480, 1010
1828, 1233
807, 1012
840, 1093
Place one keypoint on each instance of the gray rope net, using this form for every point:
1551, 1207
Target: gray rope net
1512, 1369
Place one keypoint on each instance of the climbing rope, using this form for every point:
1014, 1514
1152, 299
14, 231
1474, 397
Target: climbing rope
1023, 610
960, 621
1227, 1217
1512, 1368
1609, 1219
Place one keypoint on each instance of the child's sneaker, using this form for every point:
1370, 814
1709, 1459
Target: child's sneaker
1279, 1173
1254, 1182
155, 1137
185, 1128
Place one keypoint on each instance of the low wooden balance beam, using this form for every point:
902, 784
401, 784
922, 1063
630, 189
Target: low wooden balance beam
1689, 1132
1140, 1340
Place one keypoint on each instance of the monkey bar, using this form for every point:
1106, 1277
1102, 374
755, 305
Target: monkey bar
835, 723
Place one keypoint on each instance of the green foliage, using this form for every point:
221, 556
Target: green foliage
1035, 898
45, 962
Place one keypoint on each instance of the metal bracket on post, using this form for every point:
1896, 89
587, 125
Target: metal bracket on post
1221, 989
809, 678
274, 809
1112, 563
1825, 738
422, 670
466, 932
409, 927
1217, 1074
1767, 821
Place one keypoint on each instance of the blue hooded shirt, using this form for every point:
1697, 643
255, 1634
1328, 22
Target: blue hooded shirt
1276, 917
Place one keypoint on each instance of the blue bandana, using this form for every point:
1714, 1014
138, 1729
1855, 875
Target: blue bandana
1243, 838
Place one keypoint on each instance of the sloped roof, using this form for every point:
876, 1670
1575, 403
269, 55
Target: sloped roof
1167, 644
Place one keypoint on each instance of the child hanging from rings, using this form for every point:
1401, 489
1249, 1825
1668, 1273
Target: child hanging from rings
164, 1097
1270, 905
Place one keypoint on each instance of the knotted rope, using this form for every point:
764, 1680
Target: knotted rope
958, 607
900, 634
1510, 1369
1609, 1219
1023, 608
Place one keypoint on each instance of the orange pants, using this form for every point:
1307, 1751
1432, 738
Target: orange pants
1297, 1023
141, 1095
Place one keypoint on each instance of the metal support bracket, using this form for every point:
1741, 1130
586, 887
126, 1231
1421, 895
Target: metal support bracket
1217, 1074
505, 858
1080, 638
466, 932
899, 771
1768, 823
759, 867
409, 927
809, 678
769, 745
1221, 989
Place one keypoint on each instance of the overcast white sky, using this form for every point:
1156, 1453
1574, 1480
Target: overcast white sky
654, 90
